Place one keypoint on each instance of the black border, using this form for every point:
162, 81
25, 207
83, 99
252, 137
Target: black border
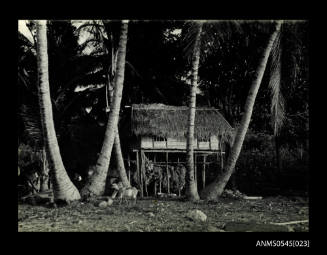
56, 10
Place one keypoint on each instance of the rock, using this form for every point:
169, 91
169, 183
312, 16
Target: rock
233, 194
211, 228
196, 215
103, 204
151, 214
109, 201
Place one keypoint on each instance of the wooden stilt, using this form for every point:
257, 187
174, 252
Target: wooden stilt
167, 171
155, 182
155, 188
160, 184
204, 172
195, 170
139, 175
129, 167
144, 180
142, 175
160, 181
179, 190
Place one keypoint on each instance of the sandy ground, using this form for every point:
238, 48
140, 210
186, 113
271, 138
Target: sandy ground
153, 215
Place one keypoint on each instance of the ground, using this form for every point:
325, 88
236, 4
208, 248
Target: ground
153, 215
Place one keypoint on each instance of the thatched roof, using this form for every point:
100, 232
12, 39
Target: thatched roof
171, 121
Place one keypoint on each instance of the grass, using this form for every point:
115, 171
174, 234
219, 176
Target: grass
152, 215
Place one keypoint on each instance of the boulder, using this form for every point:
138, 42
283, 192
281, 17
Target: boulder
103, 204
109, 201
196, 215
211, 228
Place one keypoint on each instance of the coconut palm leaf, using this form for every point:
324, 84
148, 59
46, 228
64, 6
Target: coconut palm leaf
32, 122
89, 26
24, 41
188, 41
214, 33
133, 69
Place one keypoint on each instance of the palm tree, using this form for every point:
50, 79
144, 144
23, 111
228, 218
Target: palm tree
210, 34
215, 189
109, 97
103, 38
96, 184
69, 70
191, 186
63, 188
277, 100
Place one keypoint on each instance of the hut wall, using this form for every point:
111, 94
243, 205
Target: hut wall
159, 144
176, 143
146, 143
173, 143
214, 142
204, 145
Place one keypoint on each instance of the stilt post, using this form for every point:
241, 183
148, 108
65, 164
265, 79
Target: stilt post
195, 170
167, 171
204, 172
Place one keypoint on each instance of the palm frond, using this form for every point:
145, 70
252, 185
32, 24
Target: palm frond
90, 27
32, 123
214, 33
24, 40
133, 69
277, 100
221, 30
88, 42
189, 39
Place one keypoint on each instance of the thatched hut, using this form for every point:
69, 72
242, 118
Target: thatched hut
162, 129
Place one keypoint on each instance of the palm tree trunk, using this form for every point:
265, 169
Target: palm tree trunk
63, 188
120, 161
117, 146
216, 188
96, 184
191, 186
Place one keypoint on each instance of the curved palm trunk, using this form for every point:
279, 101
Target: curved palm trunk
117, 146
63, 188
119, 156
191, 186
120, 161
216, 188
96, 184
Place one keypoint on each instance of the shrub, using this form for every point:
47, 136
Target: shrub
257, 172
